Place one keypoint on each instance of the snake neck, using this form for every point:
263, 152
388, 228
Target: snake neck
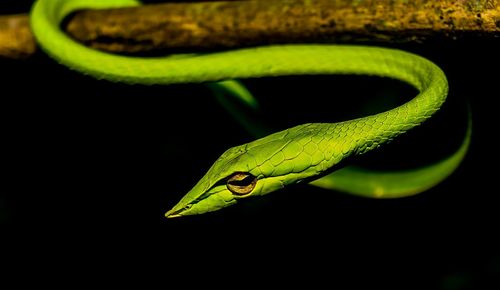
338, 141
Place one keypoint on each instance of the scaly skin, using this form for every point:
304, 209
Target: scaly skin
298, 154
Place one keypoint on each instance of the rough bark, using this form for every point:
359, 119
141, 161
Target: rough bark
16, 39
215, 25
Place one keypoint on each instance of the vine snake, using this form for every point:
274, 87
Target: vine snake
299, 154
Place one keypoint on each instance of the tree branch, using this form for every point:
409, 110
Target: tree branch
16, 39
215, 25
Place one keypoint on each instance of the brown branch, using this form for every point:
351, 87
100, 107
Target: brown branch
214, 25
16, 39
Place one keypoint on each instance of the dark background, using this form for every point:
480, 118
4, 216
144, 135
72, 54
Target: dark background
90, 168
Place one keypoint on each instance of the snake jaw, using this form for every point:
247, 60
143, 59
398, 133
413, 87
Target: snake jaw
198, 201
211, 203
172, 215
177, 212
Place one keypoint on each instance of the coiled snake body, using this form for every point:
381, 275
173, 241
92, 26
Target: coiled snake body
304, 152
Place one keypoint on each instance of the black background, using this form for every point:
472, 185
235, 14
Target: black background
90, 167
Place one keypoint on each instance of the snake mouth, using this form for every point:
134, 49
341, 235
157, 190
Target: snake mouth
175, 213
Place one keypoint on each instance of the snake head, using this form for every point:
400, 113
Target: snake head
256, 168
225, 182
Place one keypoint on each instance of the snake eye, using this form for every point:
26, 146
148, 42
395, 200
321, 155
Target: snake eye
241, 183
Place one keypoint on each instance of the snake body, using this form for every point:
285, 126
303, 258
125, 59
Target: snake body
301, 153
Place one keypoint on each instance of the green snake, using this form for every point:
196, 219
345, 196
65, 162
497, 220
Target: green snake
303, 153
